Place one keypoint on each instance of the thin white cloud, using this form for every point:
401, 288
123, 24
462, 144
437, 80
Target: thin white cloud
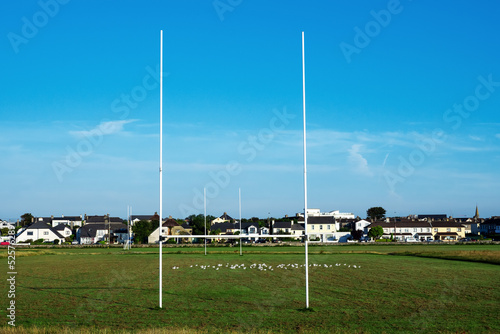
359, 163
475, 138
104, 128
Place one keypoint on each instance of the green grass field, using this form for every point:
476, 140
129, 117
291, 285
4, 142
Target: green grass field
354, 288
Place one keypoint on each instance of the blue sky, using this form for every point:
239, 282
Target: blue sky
403, 101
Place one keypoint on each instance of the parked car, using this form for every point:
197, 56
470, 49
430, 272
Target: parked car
411, 239
4, 243
74, 242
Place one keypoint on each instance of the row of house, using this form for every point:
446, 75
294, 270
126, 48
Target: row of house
404, 230
320, 227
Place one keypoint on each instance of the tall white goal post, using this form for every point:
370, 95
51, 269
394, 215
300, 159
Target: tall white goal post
305, 236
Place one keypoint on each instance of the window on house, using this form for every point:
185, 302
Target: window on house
320, 227
448, 229
406, 230
30, 233
45, 233
312, 227
459, 229
435, 230
329, 227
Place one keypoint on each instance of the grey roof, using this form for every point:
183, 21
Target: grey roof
44, 219
45, 226
225, 216
71, 218
144, 217
282, 225
39, 225
298, 227
223, 227
401, 224
445, 224
246, 225
102, 219
60, 227
89, 230
321, 220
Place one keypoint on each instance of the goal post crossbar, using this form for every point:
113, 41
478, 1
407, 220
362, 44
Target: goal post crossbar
239, 236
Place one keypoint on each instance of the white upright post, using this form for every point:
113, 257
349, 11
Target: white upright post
205, 215
129, 229
239, 196
161, 159
305, 169
126, 242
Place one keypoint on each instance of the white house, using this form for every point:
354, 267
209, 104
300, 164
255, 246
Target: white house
282, 227
403, 229
298, 231
93, 233
166, 230
251, 230
361, 224
39, 230
63, 230
6, 224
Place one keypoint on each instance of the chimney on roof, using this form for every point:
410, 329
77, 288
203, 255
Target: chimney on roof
51, 216
169, 217
286, 216
62, 216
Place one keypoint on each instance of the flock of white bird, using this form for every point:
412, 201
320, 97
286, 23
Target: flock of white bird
265, 267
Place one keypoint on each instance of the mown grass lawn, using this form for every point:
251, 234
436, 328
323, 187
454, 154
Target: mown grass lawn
392, 289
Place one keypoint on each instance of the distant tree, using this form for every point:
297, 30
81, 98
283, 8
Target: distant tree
375, 212
197, 223
357, 234
142, 229
26, 219
376, 232
5, 231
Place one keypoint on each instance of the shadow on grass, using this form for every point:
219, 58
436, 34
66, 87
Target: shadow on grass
306, 309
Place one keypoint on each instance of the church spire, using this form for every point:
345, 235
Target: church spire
476, 216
